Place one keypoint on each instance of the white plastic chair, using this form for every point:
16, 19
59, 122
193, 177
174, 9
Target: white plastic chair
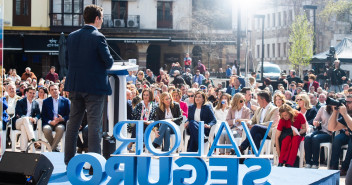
327, 150
344, 151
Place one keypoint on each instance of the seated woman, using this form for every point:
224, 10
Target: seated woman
176, 96
279, 100
199, 111
237, 113
320, 135
144, 110
286, 139
170, 111
304, 106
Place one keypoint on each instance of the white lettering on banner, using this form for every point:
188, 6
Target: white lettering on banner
136, 41
52, 43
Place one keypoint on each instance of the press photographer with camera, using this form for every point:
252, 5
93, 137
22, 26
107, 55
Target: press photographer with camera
341, 118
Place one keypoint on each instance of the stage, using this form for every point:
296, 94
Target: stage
279, 175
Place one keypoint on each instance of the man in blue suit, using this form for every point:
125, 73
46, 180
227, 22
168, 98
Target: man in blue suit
88, 58
27, 113
55, 112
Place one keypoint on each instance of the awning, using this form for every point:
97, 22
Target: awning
13, 42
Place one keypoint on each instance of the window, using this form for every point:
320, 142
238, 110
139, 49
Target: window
273, 50
285, 49
164, 14
21, 13
279, 19
68, 12
278, 50
258, 51
273, 19
119, 10
268, 50
268, 23
285, 19
290, 16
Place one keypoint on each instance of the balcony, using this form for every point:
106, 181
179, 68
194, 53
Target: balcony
131, 22
65, 22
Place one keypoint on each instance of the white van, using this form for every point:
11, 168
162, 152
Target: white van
271, 71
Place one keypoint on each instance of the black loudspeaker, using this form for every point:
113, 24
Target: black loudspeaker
25, 168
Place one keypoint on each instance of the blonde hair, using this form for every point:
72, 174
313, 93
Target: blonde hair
286, 108
306, 100
236, 100
161, 101
219, 105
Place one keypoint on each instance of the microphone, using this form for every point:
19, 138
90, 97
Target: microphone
114, 51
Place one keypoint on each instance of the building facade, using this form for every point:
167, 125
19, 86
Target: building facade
279, 15
156, 33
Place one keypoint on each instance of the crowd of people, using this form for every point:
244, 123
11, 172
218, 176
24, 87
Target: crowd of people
297, 108
31, 104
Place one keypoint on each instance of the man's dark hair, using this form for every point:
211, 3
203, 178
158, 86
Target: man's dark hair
54, 84
253, 73
91, 12
245, 89
30, 88
265, 95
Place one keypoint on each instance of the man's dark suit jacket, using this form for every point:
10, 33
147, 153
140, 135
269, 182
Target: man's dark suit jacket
206, 115
48, 110
88, 58
21, 111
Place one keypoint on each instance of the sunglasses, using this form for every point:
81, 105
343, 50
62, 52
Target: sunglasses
191, 96
348, 101
298, 99
241, 101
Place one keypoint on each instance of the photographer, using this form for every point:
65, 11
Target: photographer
337, 123
338, 76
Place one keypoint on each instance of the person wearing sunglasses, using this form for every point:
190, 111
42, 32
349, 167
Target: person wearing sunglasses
190, 95
305, 107
237, 113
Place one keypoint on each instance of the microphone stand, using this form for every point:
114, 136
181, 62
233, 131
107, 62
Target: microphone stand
123, 63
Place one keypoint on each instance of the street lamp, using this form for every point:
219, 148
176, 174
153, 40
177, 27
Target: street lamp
312, 7
262, 68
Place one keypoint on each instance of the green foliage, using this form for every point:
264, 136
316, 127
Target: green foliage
301, 39
336, 7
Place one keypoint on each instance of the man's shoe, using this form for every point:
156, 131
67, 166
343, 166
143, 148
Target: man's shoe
287, 165
308, 166
343, 172
280, 165
85, 150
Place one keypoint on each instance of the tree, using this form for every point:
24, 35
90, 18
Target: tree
337, 7
301, 39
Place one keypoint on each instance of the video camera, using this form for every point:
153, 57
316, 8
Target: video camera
337, 103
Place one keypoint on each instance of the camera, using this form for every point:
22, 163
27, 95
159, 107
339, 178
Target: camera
337, 103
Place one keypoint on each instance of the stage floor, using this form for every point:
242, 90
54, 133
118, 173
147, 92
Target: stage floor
279, 175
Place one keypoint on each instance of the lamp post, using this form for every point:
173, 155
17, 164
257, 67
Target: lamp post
312, 7
262, 68
238, 40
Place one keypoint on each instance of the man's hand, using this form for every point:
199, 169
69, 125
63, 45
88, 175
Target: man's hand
343, 78
53, 122
207, 126
343, 110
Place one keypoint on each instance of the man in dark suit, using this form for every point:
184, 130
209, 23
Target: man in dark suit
55, 112
88, 58
27, 113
